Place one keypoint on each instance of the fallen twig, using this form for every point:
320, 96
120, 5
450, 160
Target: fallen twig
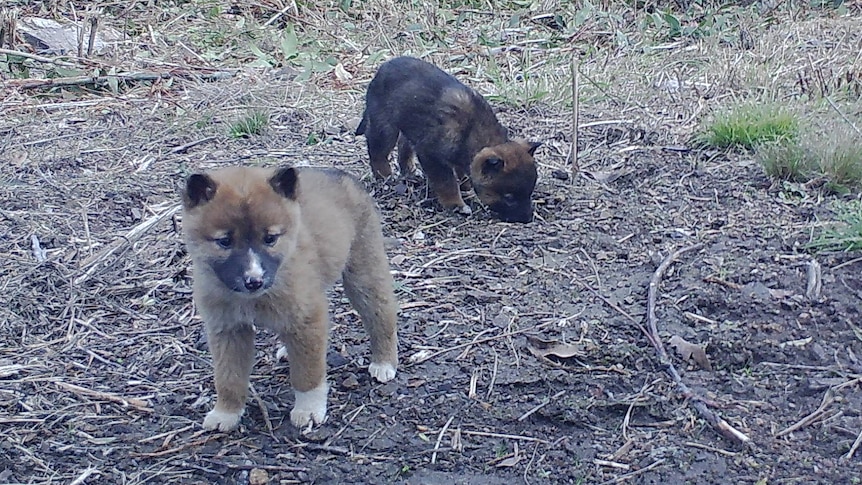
541, 405
104, 80
191, 444
575, 112
504, 436
475, 342
46, 60
719, 424
828, 399
139, 404
84, 476
183, 148
262, 406
440, 439
242, 466
849, 456
635, 473
843, 116
90, 265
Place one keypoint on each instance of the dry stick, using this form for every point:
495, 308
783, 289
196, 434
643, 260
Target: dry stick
575, 113
94, 25
242, 466
84, 476
827, 401
476, 342
505, 436
138, 404
856, 444
89, 266
38, 58
183, 148
440, 439
635, 473
101, 80
191, 444
540, 406
618, 309
262, 406
842, 115
719, 424
346, 425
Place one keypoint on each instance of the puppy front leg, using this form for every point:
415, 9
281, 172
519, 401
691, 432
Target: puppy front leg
233, 355
306, 341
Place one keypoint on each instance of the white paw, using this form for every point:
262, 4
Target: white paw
222, 420
383, 372
310, 406
465, 209
281, 354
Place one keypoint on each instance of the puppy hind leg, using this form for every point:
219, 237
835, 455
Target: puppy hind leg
306, 342
405, 157
442, 179
233, 356
369, 287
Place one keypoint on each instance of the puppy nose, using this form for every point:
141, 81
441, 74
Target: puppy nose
253, 284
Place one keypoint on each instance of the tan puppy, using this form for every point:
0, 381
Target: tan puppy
265, 244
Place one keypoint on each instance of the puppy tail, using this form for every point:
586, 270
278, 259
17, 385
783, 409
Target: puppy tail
363, 125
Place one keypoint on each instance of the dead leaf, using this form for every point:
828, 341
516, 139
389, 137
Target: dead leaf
420, 356
796, 343
605, 177
546, 348
509, 462
688, 350
416, 382
779, 294
342, 74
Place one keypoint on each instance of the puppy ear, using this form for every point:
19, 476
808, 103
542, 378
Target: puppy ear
532, 145
492, 165
200, 189
284, 182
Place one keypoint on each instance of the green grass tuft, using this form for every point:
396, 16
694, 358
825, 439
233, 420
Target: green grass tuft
252, 124
845, 234
787, 160
840, 157
750, 125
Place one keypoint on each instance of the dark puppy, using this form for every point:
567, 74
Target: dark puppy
455, 135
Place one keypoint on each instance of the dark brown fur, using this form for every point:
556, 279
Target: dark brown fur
455, 135
265, 244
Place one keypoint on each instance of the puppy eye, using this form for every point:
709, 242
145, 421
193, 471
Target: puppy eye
224, 242
270, 239
509, 197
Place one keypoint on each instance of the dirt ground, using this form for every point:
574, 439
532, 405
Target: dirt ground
522, 356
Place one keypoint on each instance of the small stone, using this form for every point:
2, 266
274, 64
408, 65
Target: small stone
560, 174
351, 382
258, 476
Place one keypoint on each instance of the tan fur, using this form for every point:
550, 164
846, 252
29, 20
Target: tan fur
517, 155
330, 229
